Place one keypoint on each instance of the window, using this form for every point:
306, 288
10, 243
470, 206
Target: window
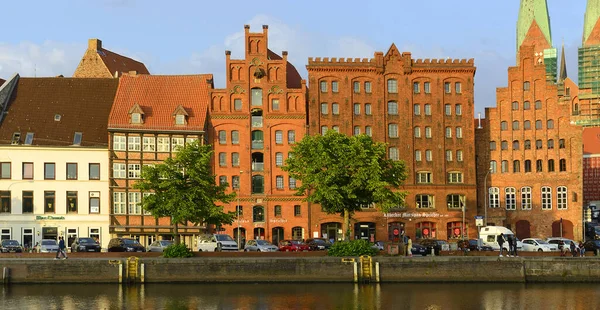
459, 132
49, 171
94, 172
417, 109
455, 177
356, 87
119, 171
222, 137
515, 105
563, 165
459, 155
550, 124
277, 210
222, 159
448, 109
458, 109
550, 144
427, 87
357, 109
291, 136
323, 86
538, 144
72, 202
493, 166
449, 154
239, 211
76, 138
133, 171
424, 177
525, 85
71, 171
27, 202
515, 125
527, 165
428, 132
119, 202
49, 197
516, 145
27, 171
134, 143
223, 180
368, 87
457, 88
492, 145
394, 153
447, 89
538, 105
278, 137
546, 198
511, 198
323, 130
278, 159
561, 198
494, 197
504, 145
424, 202
356, 130
235, 159
392, 108
119, 143
136, 118
29, 138
177, 142
335, 109
516, 166
256, 97
148, 144
455, 201
235, 137
538, 166
5, 202
527, 144
504, 166
237, 104
417, 132
292, 183
368, 131
393, 130
392, 86
179, 119
324, 109
279, 182
334, 86
416, 87
503, 125
561, 143
297, 210
526, 105
235, 182
417, 155
163, 144
297, 233
427, 109
448, 132
428, 156
275, 104
527, 125
368, 109
526, 198
134, 206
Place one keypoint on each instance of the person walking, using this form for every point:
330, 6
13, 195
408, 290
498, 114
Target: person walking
515, 247
581, 249
409, 247
510, 245
573, 251
501, 240
61, 249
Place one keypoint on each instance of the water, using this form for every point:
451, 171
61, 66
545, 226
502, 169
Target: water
303, 296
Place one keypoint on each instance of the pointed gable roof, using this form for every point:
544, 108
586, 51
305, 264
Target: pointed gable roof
100, 62
392, 52
159, 96
563, 65
591, 23
533, 12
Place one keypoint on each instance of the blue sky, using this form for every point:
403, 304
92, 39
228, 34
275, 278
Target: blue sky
48, 38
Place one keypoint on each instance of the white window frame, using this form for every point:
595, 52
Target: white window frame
368, 131
393, 153
455, 177
449, 156
424, 177
393, 130
459, 133
428, 132
163, 144
119, 143
134, 143
119, 202
526, 198
562, 198
149, 144
119, 171
133, 203
428, 155
418, 155
546, 194
134, 171
459, 155
177, 142
494, 197
427, 109
510, 198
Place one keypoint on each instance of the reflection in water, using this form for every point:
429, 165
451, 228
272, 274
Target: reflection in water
302, 296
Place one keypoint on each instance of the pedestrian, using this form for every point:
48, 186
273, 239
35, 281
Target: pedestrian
562, 248
61, 249
581, 249
500, 241
408, 247
573, 252
36, 249
510, 245
515, 247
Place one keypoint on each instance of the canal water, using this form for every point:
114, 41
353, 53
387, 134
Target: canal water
302, 296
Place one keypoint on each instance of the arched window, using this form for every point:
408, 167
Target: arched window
526, 198
563, 165
546, 198
504, 145
515, 125
493, 166
516, 145
527, 125
417, 132
297, 233
494, 197
550, 124
511, 198
526, 105
426, 230
258, 214
516, 166
515, 105
454, 230
550, 144
504, 166
392, 108
258, 184
561, 198
492, 145
503, 125
538, 105
527, 165
392, 86
527, 145
538, 124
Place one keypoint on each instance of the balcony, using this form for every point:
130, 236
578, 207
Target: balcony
257, 144
257, 121
258, 166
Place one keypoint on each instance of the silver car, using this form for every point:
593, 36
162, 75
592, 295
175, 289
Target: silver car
259, 246
48, 246
159, 246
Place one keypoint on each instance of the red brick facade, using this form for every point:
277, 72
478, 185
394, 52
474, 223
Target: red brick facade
254, 122
591, 166
423, 109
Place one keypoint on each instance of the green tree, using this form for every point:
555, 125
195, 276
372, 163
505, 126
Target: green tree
343, 173
184, 189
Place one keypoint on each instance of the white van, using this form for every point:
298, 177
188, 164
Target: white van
216, 243
489, 236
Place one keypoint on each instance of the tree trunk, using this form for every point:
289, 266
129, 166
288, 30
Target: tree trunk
176, 232
346, 225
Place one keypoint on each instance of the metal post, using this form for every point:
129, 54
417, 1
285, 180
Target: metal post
485, 196
238, 209
463, 225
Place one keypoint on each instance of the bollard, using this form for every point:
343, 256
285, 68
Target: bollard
432, 252
5, 275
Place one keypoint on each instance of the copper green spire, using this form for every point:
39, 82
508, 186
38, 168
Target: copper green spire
592, 13
533, 10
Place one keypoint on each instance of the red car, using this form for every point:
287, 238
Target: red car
293, 246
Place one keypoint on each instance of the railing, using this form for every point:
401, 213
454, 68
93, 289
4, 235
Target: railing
257, 121
257, 144
258, 166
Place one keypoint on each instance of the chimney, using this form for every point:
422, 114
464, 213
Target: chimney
94, 44
265, 29
247, 28
284, 54
479, 117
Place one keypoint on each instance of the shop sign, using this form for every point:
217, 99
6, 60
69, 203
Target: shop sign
243, 221
278, 221
49, 217
413, 214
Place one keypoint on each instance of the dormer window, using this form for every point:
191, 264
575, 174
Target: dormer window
180, 115
136, 118
16, 138
137, 114
180, 119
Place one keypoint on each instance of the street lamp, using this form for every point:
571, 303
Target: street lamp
238, 208
485, 195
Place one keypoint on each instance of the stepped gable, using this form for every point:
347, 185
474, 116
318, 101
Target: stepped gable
100, 62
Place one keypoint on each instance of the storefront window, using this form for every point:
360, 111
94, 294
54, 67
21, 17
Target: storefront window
454, 230
426, 230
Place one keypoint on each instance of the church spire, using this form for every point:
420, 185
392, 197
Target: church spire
563, 65
534, 12
591, 35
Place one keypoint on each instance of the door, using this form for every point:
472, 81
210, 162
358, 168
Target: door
331, 230
71, 235
523, 229
277, 234
259, 233
27, 239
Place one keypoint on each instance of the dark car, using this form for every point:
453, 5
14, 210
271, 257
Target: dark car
85, 245
592, 246
418, 249
472, 245
318, 244
125, 245
8, 246
434, 244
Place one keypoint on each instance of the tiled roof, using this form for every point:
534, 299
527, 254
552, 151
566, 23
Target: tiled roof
81, 104
118, 63
159, 96
1, 82
293, 78
591, 140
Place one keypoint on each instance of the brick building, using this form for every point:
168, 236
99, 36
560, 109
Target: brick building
591, 166
254, 122
151, 117
98, 62
423, 110
528, 152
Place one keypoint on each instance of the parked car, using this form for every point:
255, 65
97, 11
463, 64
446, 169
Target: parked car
85, 245
159, 246
559, 242
7, 246
472, 245
592, 246
293, 246
125, 245
434, 244
317, 244
216, 243
259, 246
418, 249
48, 246
489, 236
537, 244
